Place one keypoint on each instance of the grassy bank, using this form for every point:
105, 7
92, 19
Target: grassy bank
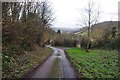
96, 63
17, 66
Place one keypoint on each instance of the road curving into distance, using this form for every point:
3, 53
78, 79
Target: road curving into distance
61, 67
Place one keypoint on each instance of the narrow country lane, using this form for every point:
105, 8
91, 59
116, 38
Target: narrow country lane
56, 66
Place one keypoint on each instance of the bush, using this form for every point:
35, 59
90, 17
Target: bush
84, 42
65, 42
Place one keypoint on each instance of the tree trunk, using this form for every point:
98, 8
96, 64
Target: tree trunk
88, 43
89, 24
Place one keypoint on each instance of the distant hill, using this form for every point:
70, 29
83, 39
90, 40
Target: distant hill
106, 24
66, 29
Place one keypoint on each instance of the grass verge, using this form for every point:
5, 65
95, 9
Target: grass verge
18, 66
96, 63
55, 71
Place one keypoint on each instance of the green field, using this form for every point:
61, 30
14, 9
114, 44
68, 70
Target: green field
96, 63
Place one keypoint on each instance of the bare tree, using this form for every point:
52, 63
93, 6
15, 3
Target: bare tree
26, 22
90, 18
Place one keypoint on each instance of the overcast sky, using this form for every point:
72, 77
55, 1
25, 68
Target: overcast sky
68, 12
